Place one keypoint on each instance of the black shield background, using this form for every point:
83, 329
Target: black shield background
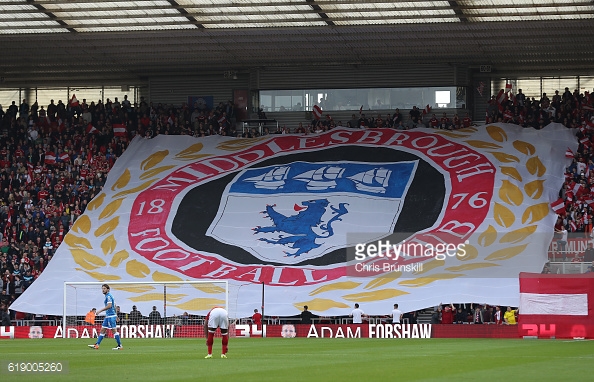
422, 205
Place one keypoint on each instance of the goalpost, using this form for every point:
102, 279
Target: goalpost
182, 307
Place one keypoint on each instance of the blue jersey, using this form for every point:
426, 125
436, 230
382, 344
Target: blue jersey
111, 312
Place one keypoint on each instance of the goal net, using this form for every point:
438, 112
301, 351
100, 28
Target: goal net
148, 309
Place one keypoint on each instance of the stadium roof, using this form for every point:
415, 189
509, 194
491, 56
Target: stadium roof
44, 39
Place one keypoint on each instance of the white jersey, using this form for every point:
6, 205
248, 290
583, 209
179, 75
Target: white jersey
218, 318
357, 316
396, 314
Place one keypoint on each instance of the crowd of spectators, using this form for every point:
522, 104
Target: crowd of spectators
474, 314
572, 109
54, 159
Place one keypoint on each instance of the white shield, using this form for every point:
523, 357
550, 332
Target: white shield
297, 211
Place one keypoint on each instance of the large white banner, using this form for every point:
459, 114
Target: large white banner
374, 217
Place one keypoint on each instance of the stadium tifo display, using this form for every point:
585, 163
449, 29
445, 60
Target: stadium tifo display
310, 218
376, 217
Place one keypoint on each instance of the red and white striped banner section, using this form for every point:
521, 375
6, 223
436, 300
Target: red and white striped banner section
317, 112
556, 306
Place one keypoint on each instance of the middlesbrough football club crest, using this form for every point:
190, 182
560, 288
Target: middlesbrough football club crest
280, 212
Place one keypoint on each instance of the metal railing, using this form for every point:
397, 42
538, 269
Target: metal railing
563, 267
36, 322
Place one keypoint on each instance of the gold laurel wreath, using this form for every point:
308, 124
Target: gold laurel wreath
98, 266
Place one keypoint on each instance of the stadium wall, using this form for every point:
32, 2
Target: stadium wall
374, 331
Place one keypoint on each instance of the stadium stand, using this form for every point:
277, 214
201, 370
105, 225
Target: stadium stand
54, 159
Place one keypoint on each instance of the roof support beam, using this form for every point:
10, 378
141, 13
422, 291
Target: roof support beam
318, 9
458, 11
50, 15
184, 12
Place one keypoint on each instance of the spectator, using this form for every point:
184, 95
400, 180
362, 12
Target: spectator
487, 314
509, 317
154, 317
185, 318
306, 316
447, 313
498, 316
4, 315
562, 242
477, 315
435, 316
120, 315
135, 316
460, 315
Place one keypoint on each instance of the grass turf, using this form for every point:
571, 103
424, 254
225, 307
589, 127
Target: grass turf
299, 359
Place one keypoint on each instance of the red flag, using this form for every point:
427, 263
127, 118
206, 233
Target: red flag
569, 153
508, 87
119, 129
64, 157
50, 157
501, 97
558, 206
29, 172
317, 112
92, 129
427, 110
572, 226
73, 101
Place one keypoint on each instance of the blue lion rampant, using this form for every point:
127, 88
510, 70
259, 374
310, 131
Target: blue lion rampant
299, 228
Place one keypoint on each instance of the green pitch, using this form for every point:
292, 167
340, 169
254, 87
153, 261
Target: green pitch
299, 359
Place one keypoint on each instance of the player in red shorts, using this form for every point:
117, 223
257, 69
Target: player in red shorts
217, 318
